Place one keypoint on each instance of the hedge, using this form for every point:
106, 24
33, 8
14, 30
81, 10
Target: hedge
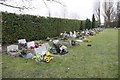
31, 27
0, 28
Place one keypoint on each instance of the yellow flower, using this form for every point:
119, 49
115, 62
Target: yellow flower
47, 53
47, 59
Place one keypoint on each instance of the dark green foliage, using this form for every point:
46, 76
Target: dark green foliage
81, 25
0, 27
118, 22
88, 24
97, 24
93, 21
33, 28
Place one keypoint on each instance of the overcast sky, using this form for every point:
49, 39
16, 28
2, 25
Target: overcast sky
79, 9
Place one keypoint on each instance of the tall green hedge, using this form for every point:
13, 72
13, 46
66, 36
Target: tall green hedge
31, 27
0, 28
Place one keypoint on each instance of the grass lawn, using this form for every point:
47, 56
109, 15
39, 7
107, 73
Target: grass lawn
0, 65
98, 61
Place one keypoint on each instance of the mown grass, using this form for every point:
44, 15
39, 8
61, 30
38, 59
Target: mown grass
0, 65
98, 61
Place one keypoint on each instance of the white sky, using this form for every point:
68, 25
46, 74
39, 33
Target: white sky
78, 9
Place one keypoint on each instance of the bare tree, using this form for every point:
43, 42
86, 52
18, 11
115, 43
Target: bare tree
47, 8
24, 6
61, 3
108, 12
21, 7
97, 11
3, 2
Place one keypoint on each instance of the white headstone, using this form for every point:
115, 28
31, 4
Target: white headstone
74, 32
29, 44
21, 41
12, 47
74, 36
63, 47
71, 34
55, 41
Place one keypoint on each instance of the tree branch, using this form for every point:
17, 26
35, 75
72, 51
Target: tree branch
12, 6
47, 8
58, 2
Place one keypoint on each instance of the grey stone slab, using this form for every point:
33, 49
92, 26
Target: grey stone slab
12, 48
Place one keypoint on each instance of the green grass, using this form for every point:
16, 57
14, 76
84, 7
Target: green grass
98, 61
0, 65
